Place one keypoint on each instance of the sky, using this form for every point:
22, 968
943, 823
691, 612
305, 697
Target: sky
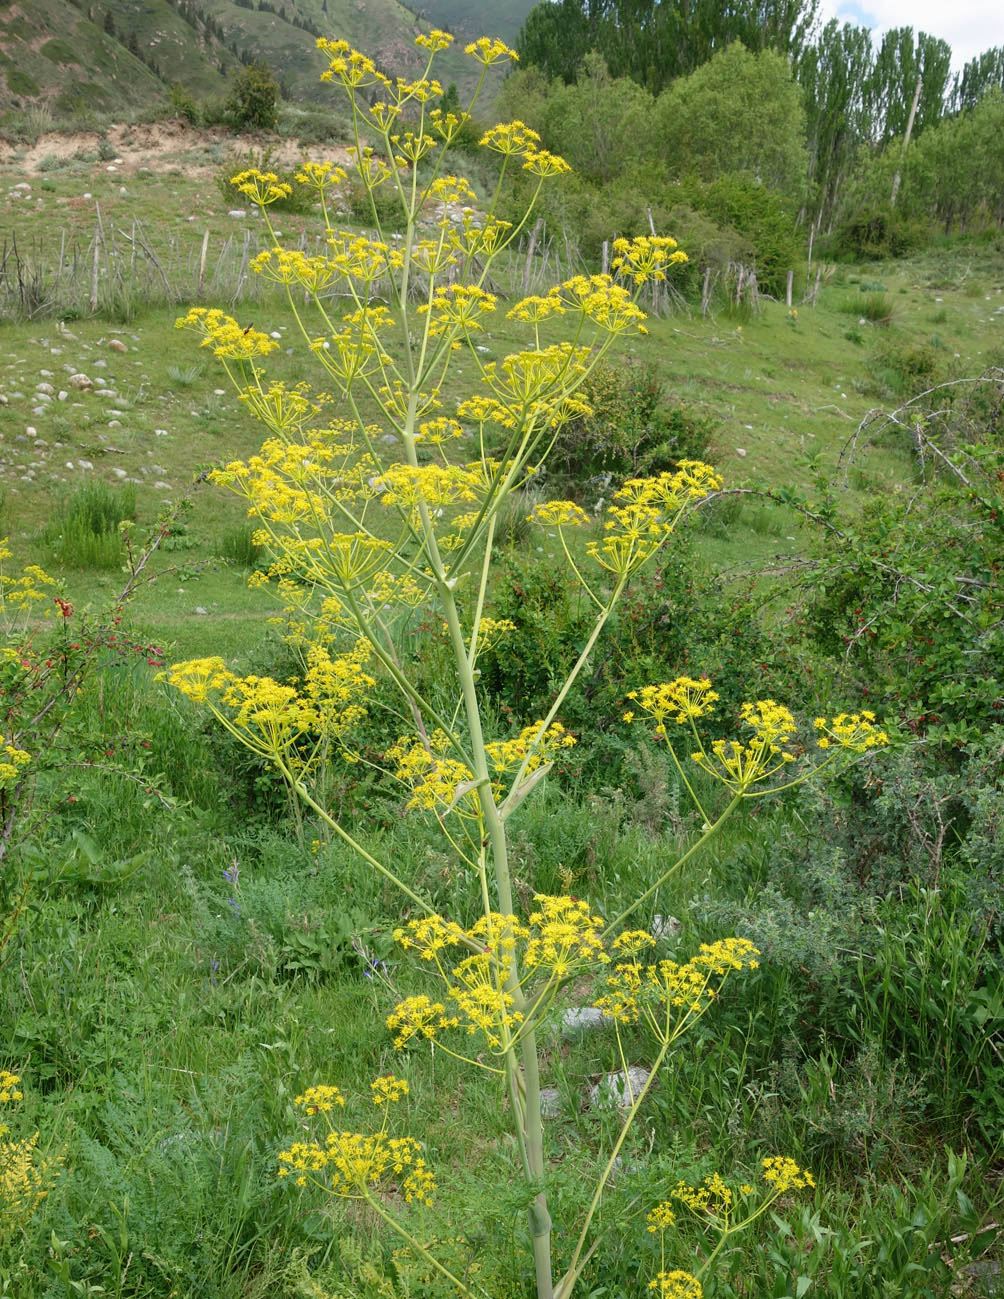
969, 26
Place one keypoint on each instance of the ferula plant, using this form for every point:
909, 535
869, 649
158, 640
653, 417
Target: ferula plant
376, 494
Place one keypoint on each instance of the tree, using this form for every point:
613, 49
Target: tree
600, 125
979, 75
899, 63
834, 73
739, 113
254, 94
655, 41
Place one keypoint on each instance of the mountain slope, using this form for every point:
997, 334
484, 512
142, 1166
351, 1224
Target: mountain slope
125, 54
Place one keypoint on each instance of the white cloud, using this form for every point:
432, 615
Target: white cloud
970, 26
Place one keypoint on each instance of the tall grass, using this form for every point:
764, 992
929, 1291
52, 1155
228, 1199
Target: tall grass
86, 532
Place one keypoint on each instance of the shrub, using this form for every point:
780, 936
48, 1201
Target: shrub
254, 95
632, 430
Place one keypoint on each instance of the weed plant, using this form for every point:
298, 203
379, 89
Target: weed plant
87, 531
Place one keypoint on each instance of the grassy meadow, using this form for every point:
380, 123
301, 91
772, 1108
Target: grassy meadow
184, 958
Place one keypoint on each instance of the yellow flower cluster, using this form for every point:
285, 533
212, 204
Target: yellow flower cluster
676, 1285
661, 1218
261, 187
530, 749
269, 717
419, 1017
9, 1089
353, 69
668, 997
854, 731
712, 1197
565, 936
680, 700
488, 51
26, 1177
599, 299
283, 410
387, 1090
740, 766
223, 334
485, 1006
457, 306
12, 763
18, 595
534, 309
433, 40
320, 1099
644, 513
435, 779
320, 175
354, 1164
783, 1174
558, 514
433, 485
646, 257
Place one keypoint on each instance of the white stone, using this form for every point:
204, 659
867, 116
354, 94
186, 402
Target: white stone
31, 431
117, 345
44, 388
84, 464
620, 1089
580, 1019
664, 926
740, 451
119, 473
199, 609
550, 1103
160, 485
236, 212
114, 423
79, 381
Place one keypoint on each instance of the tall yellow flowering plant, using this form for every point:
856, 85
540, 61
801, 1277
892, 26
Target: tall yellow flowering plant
355, 534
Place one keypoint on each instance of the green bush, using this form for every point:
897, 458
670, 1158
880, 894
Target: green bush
875, 234
254, 95
183, 105
633, 429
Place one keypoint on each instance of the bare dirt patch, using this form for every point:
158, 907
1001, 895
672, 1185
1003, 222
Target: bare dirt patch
159, 145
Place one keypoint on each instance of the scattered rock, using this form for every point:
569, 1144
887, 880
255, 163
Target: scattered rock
46, 388
665, 926
581, 1019
199, 609
550, 1103
62, 395
79, 381
740, 451
84, 464
620, 1089
117, 345
236, 212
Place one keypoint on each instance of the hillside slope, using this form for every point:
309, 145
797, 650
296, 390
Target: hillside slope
122, 55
